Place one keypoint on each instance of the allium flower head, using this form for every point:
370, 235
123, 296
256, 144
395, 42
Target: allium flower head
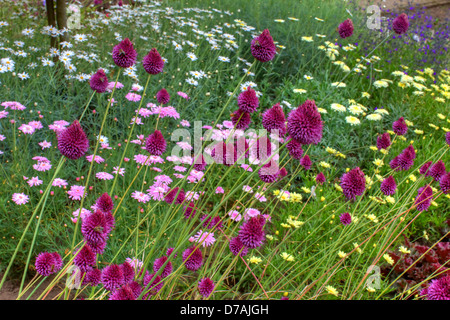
205, 287
439, 289
94, 228
444, 183
200, 163
447, 138
172, 196
128, 272
400, 127
190, 210
251, 232
72, 141
224, 153
274, 119
159, 262
353, 183
93, 277
241, 119
48, 263
305, 123
424, 168
152, 284
295, 149
401, 24
320, 178
124, 54
388, 186
125, 292
163, 96
437, 170
105, 203
99, 81
263, 48
153, 62
305, 162
112, 277
269, 172
424, 198
345, 218
192, 258
248, 101
236, 246
155, 143
85, 258
346, 28
383, 141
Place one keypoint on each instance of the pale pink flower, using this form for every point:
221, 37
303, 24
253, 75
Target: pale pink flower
140, 196
84, 214
131, 96
76, 192
157, 192
58, 182
2, 137
183, 95
179, 168
184, 145
26, 129
163, 179
260, 197
45, 144
42, 166
250, 213
234, 215
35, 181
118, 170
247, 189
219, 190
97, 159
185, 123
3, 114
205, 238
20, 198
36, 124
104, 176
13, 105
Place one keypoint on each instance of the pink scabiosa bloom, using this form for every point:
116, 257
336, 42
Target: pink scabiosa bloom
192, 258
206, 239
401, 24
134, 97
383, 141
424, 168
159, 262
112, 277
437, 170
262, 47
140, 196
34, 181
163, 97
346, 28
251, 233
176, 196
104, 203
155, 143
353, 183
388, 186
305, 123
152, 284
99, 81
85, 258
124, 55
205, 287
241, 119
269, 172
153, 62
248, 101
439, 289
274, 119
320, 178
295, 149
424, 198
72, 141
399, 127
305, 162
45, 144
76, 192
345, 218
20, 198
48, 263
236, 246
183, 95
444, 183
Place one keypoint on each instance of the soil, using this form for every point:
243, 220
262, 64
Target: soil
10, 290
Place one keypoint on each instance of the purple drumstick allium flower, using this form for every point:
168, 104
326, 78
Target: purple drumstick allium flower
447, 138
94, 229
99, 81
155, 143
205, 287
262, 47
353, 183
224, 153
159, 262
269, 172
128, 272
112, 277
192, 258
383, 141
152, 284
305, 162
400, 127
93, 277
190, 210
72, 141
153, 62
388, 186
248, 101
241, 119
305, 123
163, 97
444, 183
123, 293
274, 119
437, 170
345, 218
424, 198
124, 54
104, 203
236, 246
85, 258
424, 168
48, 263
251, 232
295, 149
200, 163
401, 24
170, 196
320, 178
346, 28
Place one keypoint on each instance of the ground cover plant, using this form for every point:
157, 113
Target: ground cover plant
227, 150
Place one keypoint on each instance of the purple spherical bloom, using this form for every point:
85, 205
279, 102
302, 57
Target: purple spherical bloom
383, 141
152, 284
353, 183
401, 24
400, 127
444, 183
439, 289
394, 164
99, 82
104, 203
346, 28
123, 293
345, 218
211, 222
295, 148
163, 96
190, 210
274, 119
224, 153
282, 173
153, 62
262, 47
437, 170
128, 272
388, 186
112, 277
159, 263
236, 246
305, 123
251, 233
192, 258
124, 54
424, 198
248, 101
205, 287
305, 162
242, 148
110, 222
241, 119
404, 160
48, 263
93, 277
269, 172
200, 163
155, 143
172, 196
85, 258
94, 228
447, 138
263, 148
320, 178
424, 168
72, 141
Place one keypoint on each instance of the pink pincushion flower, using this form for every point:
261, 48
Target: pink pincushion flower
26, 129
45, 144
20, 198
134, 97
183, 95
76, 192
205, 238
104, 176
140, 196
13, 105
35, 181
58, 182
